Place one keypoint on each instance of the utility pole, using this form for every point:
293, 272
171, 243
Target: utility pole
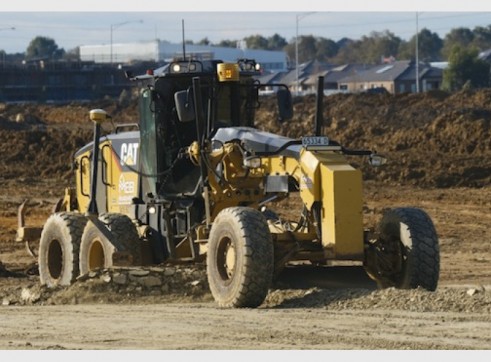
298, 18
417, 54
112, 28
4, 52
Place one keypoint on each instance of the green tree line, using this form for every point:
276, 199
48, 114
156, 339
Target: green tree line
460, 47
369, 49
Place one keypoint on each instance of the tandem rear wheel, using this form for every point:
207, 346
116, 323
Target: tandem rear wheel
59, 246
96, 252
70, 245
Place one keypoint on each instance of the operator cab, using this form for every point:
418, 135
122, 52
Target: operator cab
171, 121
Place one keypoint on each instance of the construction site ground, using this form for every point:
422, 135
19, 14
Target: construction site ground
438, 147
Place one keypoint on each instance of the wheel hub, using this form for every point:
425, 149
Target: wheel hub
230, 260
96, 255
226, 256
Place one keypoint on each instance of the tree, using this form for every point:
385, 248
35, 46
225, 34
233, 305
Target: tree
307, 49
256, 42
378, 45
276, 42
429, 47
347, 50
227, 43
465, 67
204, 41
326, 49
43, 47
369, 49
461, 37
72, 54
482, 37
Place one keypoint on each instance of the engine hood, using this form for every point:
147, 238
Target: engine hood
258, 141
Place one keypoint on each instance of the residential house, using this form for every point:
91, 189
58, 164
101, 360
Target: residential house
305, 73
397, 77
268, 80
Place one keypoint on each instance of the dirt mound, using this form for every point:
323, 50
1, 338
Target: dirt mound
467, 300
40, 140
431, 139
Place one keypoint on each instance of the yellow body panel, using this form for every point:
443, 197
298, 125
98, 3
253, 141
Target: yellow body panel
326, 177
122, 185
341, 213
119, 186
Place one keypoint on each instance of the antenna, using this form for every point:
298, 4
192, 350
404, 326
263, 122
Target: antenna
183, 42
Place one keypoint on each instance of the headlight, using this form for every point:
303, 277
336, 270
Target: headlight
176, 68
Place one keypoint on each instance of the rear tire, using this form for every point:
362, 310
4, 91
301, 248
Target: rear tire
59, 249
406, 254
97, 253
240, 258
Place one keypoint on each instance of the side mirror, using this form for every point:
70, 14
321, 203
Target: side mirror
285, 105
184, 106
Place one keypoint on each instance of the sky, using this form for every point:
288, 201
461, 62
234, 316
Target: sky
72, 24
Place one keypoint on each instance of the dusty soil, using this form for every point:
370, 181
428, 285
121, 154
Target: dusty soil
438, 146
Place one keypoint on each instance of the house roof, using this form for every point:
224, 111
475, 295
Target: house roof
268, 78
379, 73
309, 72
399, 70
425, 71
345, 70
305, 71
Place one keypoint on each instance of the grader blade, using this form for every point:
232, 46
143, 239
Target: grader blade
26, 234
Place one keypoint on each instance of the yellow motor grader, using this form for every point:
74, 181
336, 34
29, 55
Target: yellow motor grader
194, 180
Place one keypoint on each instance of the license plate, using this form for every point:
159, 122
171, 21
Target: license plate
315, 141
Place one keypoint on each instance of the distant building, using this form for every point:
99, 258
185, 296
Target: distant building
163, 51
397, 77
59, 81
305, 73
308, 77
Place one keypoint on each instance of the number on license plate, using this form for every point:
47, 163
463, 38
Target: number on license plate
315, 141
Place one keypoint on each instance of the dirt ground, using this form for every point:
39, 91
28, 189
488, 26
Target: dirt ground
438, 146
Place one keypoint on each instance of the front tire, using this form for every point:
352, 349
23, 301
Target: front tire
59, 249
240, 258
406, 253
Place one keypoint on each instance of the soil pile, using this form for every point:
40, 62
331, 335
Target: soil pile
431, 139
38, 141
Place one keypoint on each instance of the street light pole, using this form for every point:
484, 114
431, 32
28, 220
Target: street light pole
115, 26
417, 54
296, 56
298, 18
4, 52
